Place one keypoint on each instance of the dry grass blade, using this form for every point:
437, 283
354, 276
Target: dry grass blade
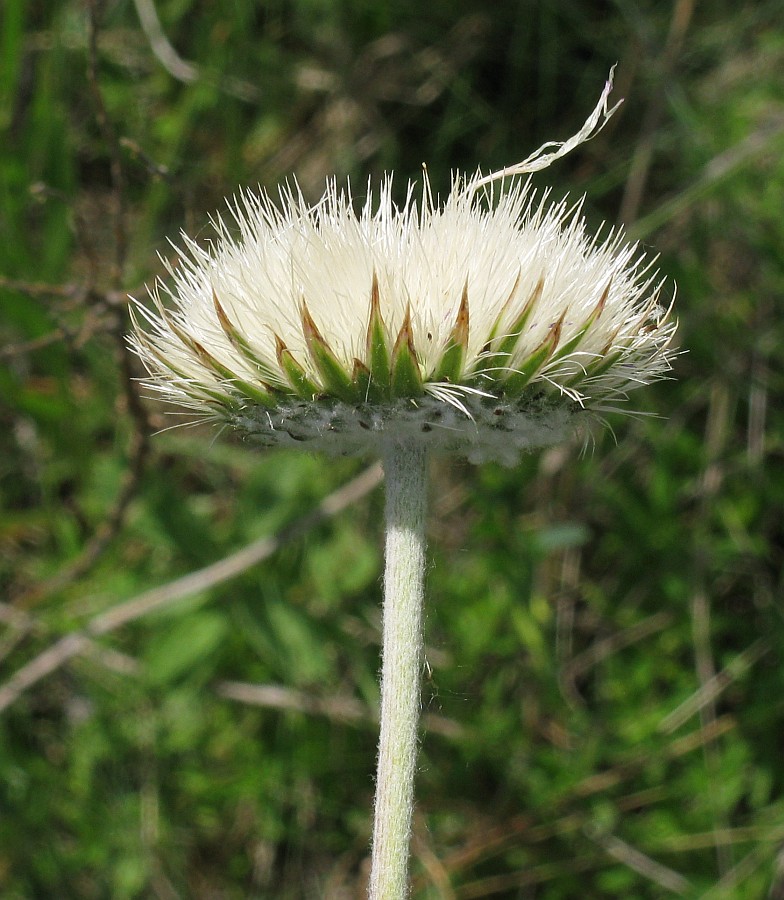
713, 687
55, 656
639, 862
345, 709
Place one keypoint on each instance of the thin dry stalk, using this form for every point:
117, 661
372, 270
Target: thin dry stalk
69, 646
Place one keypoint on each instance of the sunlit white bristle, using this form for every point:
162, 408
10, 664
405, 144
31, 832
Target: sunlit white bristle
462, 320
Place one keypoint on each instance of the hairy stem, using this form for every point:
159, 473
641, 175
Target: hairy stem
406, 500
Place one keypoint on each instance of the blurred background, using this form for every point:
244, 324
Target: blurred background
604, 689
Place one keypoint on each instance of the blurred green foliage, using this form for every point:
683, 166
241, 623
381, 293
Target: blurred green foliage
604, 683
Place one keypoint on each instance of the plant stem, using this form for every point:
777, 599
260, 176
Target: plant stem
406, 501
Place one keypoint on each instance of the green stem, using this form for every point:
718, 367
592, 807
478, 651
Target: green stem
406, 501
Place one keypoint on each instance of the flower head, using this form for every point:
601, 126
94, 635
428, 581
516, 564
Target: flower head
480, 324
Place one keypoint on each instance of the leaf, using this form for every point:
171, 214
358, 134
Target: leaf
185, 647
300, 647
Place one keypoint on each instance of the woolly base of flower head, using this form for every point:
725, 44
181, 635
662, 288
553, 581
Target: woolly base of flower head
488, 429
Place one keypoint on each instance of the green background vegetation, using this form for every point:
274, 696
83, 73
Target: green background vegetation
604, 631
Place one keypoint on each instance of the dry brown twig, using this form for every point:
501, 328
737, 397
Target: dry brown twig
711, 688
179, 68
341, 708
601, 649
116, 168
643, 154
639, 862
75, 643
765, 139
116, 326
493, 840
717, 432
423, 850
344, 708
73, 297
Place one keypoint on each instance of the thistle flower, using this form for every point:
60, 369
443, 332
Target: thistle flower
480, 324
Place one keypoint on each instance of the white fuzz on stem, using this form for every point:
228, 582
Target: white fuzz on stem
406, 490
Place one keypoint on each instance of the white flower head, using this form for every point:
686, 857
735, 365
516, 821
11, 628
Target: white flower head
479, 325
